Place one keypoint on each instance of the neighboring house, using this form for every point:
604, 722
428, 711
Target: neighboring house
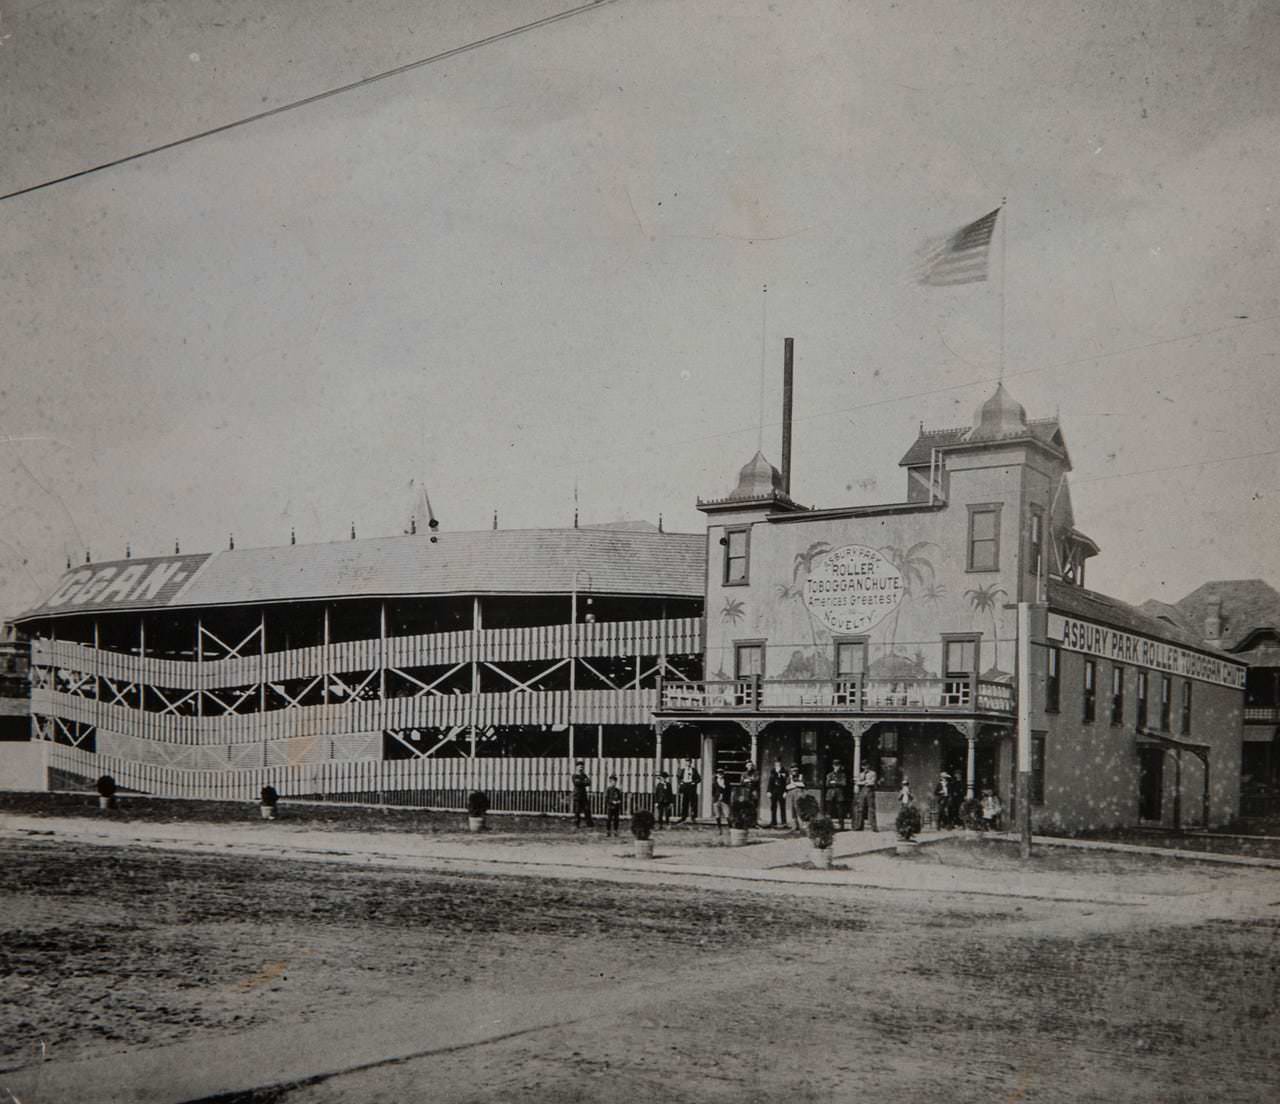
1242, 617
15, 687
888, 634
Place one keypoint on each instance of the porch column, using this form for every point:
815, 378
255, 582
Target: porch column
755, 749
708, 772
971, 739
857, 752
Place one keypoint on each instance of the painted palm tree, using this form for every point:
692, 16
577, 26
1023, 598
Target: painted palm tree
801, 566
911, 566
986, 599
731, 613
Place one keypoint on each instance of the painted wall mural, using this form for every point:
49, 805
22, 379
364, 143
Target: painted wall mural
899, 583
853, 589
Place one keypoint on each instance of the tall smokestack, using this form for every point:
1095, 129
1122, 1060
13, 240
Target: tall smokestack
788, 364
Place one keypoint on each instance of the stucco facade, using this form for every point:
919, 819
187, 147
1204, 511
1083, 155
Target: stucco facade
886, 635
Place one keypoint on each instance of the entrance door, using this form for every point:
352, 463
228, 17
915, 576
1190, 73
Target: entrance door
1150, 783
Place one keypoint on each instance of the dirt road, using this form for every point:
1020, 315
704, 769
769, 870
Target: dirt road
196, 973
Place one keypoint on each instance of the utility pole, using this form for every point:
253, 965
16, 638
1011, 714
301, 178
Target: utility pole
1024, 727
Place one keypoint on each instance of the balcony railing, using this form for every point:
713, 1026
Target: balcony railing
854, 695
1262, 714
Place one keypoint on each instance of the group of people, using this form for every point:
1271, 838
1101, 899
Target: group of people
854, 800
949, 805
688, 779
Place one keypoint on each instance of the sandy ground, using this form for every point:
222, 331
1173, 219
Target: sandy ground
466, 986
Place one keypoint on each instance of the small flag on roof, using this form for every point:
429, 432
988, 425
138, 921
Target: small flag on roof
961, 258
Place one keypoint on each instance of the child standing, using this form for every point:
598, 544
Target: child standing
612, 807
992, 810
720, 800
663, 799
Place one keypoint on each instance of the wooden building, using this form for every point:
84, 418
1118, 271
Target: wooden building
406, 669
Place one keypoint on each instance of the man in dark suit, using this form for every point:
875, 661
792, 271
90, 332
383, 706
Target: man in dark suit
777, 791
689, 781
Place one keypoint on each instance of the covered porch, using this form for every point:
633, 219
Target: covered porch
977, 752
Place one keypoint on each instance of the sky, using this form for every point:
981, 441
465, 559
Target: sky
538, 265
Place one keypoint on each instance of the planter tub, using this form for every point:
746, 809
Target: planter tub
738, 837
644, 849
268, 812
907, 847
475, 824
104, 803
821, 857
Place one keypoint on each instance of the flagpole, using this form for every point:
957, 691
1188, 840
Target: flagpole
764, 330
1004, 281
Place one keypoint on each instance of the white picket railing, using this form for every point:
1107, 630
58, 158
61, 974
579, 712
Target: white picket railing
534, 785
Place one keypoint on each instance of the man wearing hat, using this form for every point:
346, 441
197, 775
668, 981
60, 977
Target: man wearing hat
866, 810
942, 794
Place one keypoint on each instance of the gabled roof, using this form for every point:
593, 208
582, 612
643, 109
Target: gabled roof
1247, 605
1045, 433
487, 561
1091, 605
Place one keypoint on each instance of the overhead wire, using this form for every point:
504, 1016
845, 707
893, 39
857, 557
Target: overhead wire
328, 93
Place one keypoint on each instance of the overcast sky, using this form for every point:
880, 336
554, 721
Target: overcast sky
541, 262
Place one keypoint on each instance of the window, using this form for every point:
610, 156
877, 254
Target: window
1090, 688
1052, 691
851, 658
1166, 701
1142, 699
1035, 541
960, 665
961, 657
1117, 694
984, 538
737, 543
748, 666
1036, 795
851, 665
1186, 709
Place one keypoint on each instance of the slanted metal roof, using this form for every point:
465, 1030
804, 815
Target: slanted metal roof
1094, 606
488, 561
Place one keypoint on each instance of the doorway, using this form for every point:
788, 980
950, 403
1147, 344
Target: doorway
1150, 783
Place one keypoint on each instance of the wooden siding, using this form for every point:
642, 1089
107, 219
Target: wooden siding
526, 784
681, 636
555, 707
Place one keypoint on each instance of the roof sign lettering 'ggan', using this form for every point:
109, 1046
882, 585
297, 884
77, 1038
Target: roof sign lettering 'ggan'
151, 582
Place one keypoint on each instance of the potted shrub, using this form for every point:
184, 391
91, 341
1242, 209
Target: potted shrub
106, 792
477, 807
908, 825
822, 834
742, 815
807, 808
642, 829
267, 805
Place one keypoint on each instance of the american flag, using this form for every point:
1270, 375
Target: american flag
961, 258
